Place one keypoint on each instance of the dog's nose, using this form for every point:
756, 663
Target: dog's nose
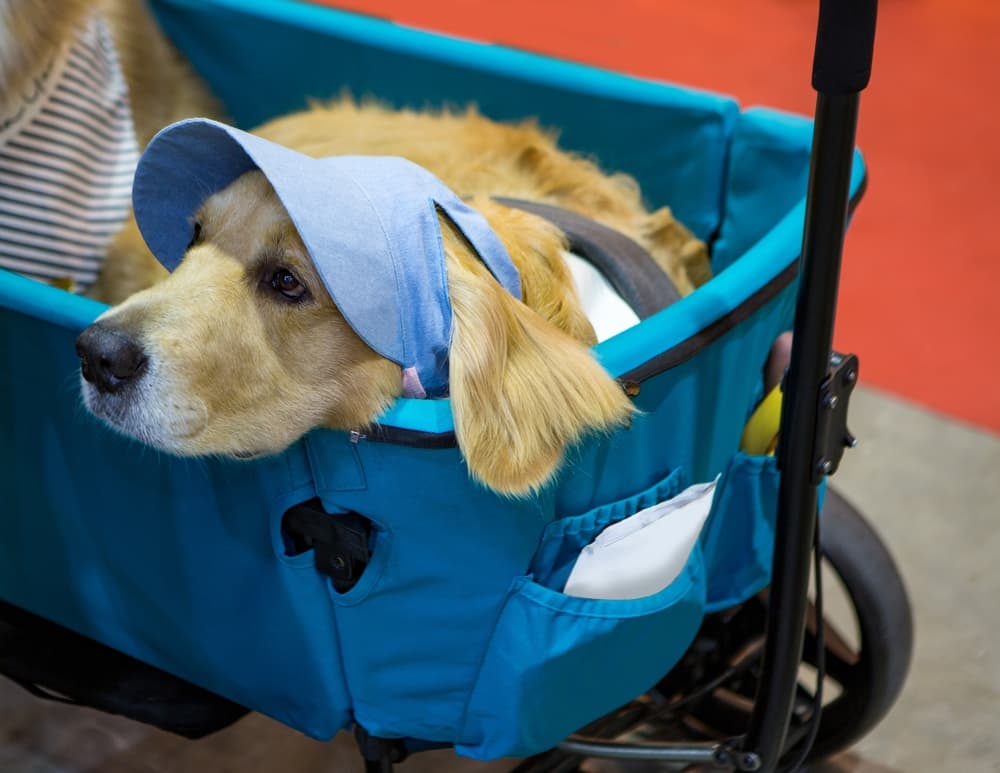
109, 358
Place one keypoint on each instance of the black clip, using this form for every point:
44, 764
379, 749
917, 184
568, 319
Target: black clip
341, 541
832, 434
379, 753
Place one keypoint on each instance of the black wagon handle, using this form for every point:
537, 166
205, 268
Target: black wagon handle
841, 69
845, 40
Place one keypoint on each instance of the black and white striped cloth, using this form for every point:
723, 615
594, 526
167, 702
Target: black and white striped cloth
67, 156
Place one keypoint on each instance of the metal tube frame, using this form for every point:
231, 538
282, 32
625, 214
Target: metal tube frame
826, 218
705, 753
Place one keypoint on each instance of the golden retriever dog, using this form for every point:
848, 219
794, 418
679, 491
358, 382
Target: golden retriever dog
242, 350
84, 85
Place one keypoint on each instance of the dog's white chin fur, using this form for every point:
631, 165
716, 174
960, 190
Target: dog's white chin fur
151, 412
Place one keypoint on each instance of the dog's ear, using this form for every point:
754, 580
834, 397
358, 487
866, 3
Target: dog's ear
522, 390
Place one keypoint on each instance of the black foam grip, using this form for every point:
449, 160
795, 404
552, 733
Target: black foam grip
845, 39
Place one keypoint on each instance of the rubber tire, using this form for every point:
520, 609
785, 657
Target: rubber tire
856, 553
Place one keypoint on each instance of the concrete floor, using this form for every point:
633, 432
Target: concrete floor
929, 485
932, 488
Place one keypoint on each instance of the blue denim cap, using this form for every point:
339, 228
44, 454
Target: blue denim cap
370, 224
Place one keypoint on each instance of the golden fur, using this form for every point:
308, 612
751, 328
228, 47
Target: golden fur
236, 369
472, 155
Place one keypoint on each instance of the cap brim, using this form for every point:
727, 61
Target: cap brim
182, 166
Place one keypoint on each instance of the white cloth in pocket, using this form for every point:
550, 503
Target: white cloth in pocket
644, 553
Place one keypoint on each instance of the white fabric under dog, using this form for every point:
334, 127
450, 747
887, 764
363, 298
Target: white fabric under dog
644, 553
67, 154
604, 307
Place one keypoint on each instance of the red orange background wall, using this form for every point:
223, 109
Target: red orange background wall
920, 292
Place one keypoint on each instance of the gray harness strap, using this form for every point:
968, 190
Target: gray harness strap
629, 269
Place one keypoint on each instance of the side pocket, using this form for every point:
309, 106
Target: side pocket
564, 538
556, 662
738, 541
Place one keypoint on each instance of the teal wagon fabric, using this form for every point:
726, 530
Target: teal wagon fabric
457, 631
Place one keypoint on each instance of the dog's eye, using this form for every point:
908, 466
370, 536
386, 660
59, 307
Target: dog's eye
195, 235
285, 282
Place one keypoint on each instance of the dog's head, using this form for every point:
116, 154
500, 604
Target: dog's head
248, 345
241, 350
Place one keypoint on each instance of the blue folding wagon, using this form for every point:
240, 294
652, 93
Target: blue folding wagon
366, 583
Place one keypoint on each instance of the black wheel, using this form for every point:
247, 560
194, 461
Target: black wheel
868, 642
867, 666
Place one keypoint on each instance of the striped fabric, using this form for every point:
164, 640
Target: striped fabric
67, 155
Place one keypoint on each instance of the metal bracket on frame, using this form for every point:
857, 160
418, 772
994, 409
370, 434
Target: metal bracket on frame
832, 434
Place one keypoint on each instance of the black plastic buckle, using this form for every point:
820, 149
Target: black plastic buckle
379, 753
832, 434
341, 541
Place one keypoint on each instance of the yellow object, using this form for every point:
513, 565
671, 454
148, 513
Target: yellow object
760, 435
66, 283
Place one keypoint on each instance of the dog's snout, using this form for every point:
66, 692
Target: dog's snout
109, 358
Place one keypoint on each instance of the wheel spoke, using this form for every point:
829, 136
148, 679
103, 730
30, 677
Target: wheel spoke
841, 659
834, 641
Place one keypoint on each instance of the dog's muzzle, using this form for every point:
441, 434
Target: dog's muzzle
110, 359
